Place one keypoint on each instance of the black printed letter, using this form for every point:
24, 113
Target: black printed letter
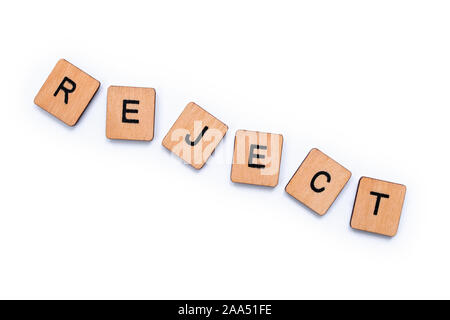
200, 136
256, 156
379, 196
125, 111
318, 174
66, 90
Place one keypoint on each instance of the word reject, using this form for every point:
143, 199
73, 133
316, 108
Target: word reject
196, 133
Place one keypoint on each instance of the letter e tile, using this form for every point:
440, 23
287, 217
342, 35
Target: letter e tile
131, 113
256, 158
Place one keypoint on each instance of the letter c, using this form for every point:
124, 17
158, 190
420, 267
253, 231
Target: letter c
318, 174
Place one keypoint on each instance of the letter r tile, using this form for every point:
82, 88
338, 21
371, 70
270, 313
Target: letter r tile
378, 206
318, 181
67, 92
195, 135
256, 158
130, 113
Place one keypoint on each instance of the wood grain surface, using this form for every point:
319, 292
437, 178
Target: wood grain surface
67, 106
195, 135
318, 181
256, 158
378, 206
130, 113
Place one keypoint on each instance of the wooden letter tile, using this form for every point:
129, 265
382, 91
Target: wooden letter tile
378, 206
318, 181
131, 113
67, 92
257, 158
195, 135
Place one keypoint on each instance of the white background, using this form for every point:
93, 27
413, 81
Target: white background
367, 82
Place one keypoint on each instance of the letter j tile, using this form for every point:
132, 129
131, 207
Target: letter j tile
195, 135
